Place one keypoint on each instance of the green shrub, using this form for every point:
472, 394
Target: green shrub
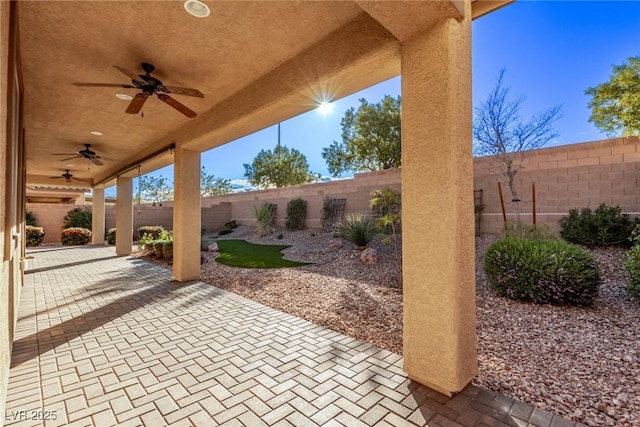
265, 216
145, 243
29, 218
110, 237
75, 236
78, 218
167, 250
529, 231
542, 271
231, 224
358, 229
605, 226
633, 264
151, 234
296, 214
157, 248
152, 231
35, 235
224, 231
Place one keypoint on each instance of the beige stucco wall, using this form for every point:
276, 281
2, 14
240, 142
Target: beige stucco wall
11, 194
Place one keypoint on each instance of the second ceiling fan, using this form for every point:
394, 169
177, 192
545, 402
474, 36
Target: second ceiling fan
150, 86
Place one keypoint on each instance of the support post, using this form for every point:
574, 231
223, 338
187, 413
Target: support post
437, 212
97, 216
186, 215
124, 216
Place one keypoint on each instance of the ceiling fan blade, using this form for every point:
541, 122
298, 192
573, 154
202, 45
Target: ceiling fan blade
96, 161
104, 85
182, 91
136, 103
80, 179
177, 105
69, 158
131, 74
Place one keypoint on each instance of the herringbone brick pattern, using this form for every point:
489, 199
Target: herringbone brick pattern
107, 341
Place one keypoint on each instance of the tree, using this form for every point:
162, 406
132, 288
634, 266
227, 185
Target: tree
279, 168
370, 138
615, 105
500, 131
154, 189
212, 186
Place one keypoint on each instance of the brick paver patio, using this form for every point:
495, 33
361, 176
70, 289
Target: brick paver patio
103, 340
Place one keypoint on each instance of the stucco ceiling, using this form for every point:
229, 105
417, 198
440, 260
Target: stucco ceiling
257, 62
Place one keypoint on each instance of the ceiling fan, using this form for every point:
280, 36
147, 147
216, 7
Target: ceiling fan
150, 86
68, 177
87, 153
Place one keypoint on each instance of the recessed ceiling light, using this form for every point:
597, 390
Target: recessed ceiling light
124, 96
69, 166
96, 133
197, 8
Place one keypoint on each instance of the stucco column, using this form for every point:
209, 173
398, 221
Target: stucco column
437, 208
97, 216
186, 215
124, 216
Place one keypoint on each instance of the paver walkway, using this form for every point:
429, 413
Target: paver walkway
106, 341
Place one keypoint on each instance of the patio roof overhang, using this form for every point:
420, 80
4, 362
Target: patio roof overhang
256, 62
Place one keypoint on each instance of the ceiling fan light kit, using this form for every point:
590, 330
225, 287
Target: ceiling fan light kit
197, 8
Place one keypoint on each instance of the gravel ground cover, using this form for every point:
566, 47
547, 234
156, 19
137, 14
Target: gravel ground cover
582, 363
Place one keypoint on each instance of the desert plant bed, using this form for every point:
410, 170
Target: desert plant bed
582, 363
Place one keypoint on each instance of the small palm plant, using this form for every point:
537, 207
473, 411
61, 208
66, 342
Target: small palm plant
357, 228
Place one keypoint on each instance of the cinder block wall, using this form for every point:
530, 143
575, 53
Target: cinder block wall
356, 191
565, 177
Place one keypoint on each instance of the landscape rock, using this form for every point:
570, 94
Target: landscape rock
213, 247
369, 256
336, 244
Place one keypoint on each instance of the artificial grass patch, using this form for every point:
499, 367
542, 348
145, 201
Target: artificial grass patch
240, 253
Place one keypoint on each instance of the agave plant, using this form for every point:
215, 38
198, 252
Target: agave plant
357, 228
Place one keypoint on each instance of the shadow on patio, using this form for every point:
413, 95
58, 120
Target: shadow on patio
123, 343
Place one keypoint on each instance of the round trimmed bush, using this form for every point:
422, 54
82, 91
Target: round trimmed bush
35, 235
157, 248
111, 236
75, 236
167, 250
542, 271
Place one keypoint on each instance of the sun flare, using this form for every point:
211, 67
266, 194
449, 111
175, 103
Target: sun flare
325, 107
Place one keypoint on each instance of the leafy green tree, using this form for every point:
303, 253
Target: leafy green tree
615, 105
154, 190
370, 138
500, 131
212, 186
279, 167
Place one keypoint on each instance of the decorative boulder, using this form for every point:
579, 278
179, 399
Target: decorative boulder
369, 256
213, 247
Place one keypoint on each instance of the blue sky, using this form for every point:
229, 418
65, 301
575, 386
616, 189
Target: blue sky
552, 51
